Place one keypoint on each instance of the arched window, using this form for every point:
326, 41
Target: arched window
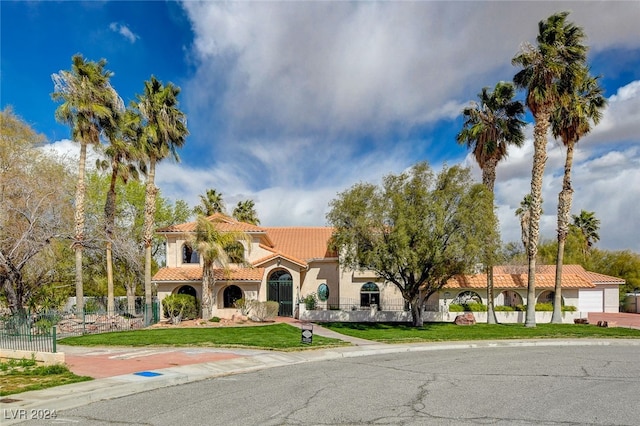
467, 297
280, 275
230, 295
189, 255
369, 295
187, 289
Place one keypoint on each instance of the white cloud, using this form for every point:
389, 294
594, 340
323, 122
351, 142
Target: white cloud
297, 101
69, 150
124, 31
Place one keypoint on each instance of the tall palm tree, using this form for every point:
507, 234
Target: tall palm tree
211, 203
580, 107
163, 129
121, 156
245, 211
89, 105
588, 225
489, 127
560, 53
213, 245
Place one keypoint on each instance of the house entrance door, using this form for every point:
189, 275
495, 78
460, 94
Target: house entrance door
280, 289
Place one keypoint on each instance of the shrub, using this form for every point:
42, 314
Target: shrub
468, 307
310, 301
475, 307
504, 308
215, 319
180, 306
263, 311
569, 308
544, 307
243, 305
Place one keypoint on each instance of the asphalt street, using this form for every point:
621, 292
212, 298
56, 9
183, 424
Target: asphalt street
560, 383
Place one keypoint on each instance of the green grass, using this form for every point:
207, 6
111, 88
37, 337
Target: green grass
439, 332
25, 375
280, 337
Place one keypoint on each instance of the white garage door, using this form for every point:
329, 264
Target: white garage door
590, 301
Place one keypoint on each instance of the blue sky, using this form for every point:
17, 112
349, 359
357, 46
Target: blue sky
289, 103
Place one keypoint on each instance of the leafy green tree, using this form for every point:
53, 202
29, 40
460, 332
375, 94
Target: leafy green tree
211, 203
624, 264
547, 70
163, 129
89, 105
416, 230
245, 211
581, 106
212, 245
490, 125
35, 213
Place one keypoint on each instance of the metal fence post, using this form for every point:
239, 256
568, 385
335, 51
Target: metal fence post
53, 336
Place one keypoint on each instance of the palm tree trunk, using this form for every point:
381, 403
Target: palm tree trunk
564, 208
131, 297
109, 213
149, 223
207, 278
79, 227
110, 293
539, 159
489, 179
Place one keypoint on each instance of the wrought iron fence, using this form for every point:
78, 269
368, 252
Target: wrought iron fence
23, 333
38, 332
352, 304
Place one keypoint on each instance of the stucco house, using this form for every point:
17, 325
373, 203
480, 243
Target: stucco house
286, 264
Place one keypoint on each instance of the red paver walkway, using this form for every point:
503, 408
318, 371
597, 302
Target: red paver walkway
103, 363
617, 319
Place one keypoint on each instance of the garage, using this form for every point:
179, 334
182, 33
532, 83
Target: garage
590, 300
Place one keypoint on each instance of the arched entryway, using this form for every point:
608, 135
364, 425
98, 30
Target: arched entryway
509, 298
230, 295
280, 289
548, 296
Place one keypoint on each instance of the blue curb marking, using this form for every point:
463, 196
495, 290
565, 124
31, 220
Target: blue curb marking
147, 374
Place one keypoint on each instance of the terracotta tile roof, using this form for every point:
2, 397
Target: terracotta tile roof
594, 277
505, 277
302, 242
193, 273
275, 254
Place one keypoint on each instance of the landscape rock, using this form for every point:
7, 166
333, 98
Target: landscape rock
465, 319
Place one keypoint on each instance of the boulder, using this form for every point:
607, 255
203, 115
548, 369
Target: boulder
465, 319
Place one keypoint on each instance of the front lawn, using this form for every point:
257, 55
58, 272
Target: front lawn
25, 375
439, 332
280, 337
